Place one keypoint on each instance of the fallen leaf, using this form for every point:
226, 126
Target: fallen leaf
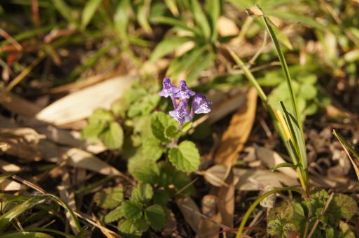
216, 175
82, 159
270, 159
259, 180
225, 106
190, 211
238, 131
210, 225
81, 104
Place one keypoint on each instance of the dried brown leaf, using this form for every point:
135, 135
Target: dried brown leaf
238, 131
190, 211
271, 158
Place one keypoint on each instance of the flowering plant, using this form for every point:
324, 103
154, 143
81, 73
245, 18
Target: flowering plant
180, 100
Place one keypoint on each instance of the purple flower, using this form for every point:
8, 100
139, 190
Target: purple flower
181, 112
200, 104
184, 92
180, 99
168, 89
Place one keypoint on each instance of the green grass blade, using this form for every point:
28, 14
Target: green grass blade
284, 67
168, 45
200, 18
64, 10
7, 217
89, 11
255, 204
26, 234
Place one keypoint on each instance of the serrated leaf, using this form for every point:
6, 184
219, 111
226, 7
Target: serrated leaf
142, 193
112, 137
161, 197
168, 45
109, 198
160, 122
131, 210
93, 129
185, 157
346, 205
133, 227
88, 12
151, 148
143, 169
156, 216
114, 215
143, 106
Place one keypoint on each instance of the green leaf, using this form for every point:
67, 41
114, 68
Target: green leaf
156, 216
176, 23
93, 129
151, 148
213, 7
283, 165
131, 210
142, 193
143, 15
168, 45
185, 157
161, 197
185, 62
201, 64
143, 169
160, 122
346, 205
109, 198
8, 216
114, 215
200, 18
97, 123
112, 137
121, 17
133, 227
144, 105
88, 12
26, 234
64, 10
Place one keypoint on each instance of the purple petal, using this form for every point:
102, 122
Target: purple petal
168, 89
181, 112
201, 104
184, 92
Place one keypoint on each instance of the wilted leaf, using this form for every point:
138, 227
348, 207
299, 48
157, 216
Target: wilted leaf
237, 133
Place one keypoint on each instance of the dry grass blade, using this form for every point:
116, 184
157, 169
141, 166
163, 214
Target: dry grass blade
348, 149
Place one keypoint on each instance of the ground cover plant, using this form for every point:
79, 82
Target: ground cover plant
179, 118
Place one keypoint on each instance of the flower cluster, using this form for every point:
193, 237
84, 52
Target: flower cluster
181, 98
